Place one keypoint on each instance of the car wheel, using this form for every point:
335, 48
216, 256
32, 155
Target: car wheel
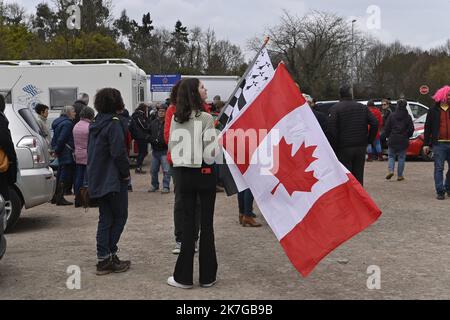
13, 209
427, 157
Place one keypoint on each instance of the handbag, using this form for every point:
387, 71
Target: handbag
85, 199
4, 161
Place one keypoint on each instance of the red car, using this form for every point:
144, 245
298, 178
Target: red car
415, 148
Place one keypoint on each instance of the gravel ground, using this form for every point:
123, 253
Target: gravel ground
410, 243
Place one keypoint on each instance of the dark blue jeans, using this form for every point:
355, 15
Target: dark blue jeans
113, 216
401, 161
159, 159
245, 200
441, 153
79, 177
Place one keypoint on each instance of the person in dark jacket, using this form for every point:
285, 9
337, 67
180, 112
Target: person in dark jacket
159, 151
9, 177
140, 134
79, 105
64, 147
398, 129
108, 172
348, 133
437, 135
386, 112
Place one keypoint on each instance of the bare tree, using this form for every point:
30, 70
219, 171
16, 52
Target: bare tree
316, 49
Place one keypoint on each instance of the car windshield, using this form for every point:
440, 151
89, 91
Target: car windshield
421, 119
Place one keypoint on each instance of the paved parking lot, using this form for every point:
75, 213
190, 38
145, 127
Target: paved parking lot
410, 244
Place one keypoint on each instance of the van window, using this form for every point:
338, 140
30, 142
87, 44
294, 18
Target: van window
27, 115
4, 92
417, 110
59, 98
141, 94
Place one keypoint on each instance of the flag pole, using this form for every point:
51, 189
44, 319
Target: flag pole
249, 68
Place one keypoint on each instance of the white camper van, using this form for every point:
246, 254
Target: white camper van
222, 86
56, 83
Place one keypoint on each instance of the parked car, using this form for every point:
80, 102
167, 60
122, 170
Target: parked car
2, 227
415, 109
35, 180
415, 148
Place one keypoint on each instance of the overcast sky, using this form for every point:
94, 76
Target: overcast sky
414, 22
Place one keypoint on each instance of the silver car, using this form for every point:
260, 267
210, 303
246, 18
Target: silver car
2, 227
35, 180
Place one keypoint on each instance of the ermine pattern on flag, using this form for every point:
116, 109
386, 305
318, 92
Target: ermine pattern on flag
309, 220
258, 77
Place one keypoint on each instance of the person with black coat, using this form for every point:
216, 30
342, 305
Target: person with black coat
108, 173
64, 146
139, 131
348, 133
159, 151
398, 129
9, 177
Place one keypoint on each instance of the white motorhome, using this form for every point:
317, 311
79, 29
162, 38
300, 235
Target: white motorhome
222, 86
57, 83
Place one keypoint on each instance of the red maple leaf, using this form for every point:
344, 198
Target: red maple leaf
291, 170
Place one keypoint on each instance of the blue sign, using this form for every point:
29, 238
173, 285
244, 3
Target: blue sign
163, 82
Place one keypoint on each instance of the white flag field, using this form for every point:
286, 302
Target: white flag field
274, 145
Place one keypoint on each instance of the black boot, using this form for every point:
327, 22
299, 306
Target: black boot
60, 201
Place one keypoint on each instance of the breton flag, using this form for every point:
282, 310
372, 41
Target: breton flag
257, 76
310, 200
253, 83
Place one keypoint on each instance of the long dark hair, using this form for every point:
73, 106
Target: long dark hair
174, 93
188, 100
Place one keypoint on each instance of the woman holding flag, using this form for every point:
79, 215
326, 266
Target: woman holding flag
195, 178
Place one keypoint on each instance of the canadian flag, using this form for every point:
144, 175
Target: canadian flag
310, 200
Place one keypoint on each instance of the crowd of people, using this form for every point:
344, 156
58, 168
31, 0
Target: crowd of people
357, 134
93, 154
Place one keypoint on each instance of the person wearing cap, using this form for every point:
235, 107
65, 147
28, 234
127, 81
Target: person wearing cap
159, 151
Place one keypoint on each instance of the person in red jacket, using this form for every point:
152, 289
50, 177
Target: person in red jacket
374, 150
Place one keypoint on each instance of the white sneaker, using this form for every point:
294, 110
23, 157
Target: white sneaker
177, 248
171, 282
208, 285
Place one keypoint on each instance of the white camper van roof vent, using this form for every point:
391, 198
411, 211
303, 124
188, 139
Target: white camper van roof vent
68, 62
